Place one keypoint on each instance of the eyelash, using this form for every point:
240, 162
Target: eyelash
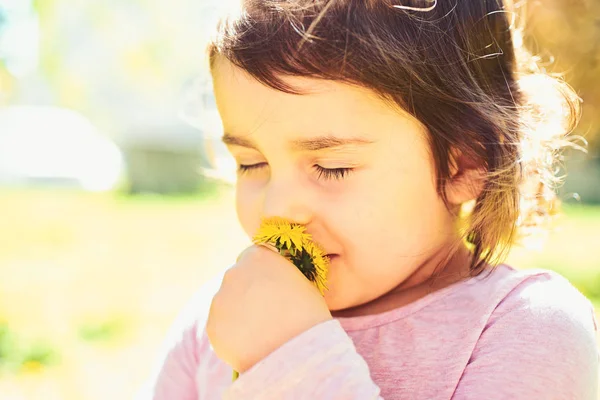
323, 173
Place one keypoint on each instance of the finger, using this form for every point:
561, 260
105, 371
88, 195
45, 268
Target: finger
269, 246
246, 250
254, 248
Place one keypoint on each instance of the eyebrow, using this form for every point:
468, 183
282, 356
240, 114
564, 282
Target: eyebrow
312, 144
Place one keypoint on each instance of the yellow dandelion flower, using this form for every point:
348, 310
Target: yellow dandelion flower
294, 243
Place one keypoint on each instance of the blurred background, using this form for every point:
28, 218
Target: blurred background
115, 194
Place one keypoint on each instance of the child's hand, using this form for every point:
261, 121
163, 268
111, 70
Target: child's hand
263, 302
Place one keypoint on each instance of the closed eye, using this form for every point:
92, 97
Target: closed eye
332, 173
247, 168
322, 173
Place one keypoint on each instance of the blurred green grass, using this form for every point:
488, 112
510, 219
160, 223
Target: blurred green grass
91, 282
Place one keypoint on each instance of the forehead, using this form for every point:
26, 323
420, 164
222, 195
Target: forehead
246, 104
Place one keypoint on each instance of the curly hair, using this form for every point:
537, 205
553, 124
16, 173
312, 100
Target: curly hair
459, 67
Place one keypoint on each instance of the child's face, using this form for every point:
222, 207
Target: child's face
374, 206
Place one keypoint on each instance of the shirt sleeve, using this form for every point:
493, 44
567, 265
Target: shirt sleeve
176, 379
540, 343
174, 375
321, 363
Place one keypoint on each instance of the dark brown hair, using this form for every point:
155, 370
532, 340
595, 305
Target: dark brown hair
457, 66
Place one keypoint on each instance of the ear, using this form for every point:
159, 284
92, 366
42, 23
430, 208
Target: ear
466, 181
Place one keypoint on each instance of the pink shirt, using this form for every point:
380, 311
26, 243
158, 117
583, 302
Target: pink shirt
505, 335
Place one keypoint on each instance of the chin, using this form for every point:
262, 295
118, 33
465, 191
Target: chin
339, 303
334, 303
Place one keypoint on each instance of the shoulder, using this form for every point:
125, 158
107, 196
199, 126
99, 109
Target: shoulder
526, 303
184, 350
186, 338
545, 321
191, 319
538, 339
539, 291
545, 297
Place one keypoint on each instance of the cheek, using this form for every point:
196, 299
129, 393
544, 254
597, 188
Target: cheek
247, 202
399, 221
417, 211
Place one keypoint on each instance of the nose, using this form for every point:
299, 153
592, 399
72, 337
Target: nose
286, 199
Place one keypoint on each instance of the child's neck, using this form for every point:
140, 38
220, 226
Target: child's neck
418, 285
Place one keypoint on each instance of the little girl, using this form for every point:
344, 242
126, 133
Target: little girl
415, 140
